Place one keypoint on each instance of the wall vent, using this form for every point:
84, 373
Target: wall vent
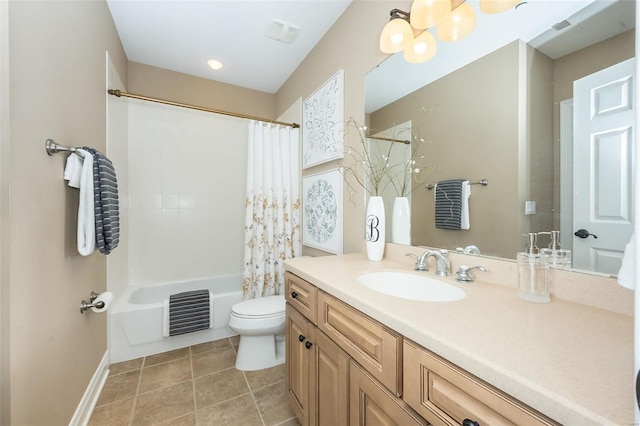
282, 31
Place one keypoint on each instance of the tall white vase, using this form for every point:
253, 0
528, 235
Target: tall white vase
401, 221
375, 228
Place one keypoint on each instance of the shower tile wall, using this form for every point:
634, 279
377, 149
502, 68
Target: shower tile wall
187, 174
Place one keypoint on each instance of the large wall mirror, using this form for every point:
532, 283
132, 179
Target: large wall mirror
543, 112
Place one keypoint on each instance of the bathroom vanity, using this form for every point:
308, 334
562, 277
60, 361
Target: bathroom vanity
357, 356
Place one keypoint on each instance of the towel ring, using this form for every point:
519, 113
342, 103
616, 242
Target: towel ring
483, 182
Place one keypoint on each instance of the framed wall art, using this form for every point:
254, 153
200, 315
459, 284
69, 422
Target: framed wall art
322, 211
323, 123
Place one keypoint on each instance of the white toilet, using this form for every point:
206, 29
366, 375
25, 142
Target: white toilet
260, 324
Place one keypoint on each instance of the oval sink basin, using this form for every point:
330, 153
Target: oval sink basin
411, 286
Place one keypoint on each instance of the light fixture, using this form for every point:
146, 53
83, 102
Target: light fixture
428, 13
497, 6
413, 32
423, 48
214, 64
397, 34
459, 23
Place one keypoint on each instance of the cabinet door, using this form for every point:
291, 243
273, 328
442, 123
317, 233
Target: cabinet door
372, 405
446, 395
298, 365
331, 390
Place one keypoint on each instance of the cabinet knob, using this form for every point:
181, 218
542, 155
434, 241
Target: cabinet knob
469, 422
301, 338
308, 345
294, 294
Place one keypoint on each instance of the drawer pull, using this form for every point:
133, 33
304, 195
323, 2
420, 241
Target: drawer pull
294, 294
469, 422
301, 338
308, 345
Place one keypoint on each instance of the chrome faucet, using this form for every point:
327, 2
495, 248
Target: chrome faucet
464, 275
443, 267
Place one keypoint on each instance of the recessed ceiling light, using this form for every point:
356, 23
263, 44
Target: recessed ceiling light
215, 64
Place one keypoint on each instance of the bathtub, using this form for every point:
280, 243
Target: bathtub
136, 318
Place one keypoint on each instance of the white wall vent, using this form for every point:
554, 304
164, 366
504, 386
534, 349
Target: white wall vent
282, 31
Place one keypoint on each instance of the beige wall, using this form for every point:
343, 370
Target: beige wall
469, 120
174, 86
352, 45
4, 213
57, 75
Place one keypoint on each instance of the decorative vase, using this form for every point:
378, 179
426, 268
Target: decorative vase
401, 221
375, 228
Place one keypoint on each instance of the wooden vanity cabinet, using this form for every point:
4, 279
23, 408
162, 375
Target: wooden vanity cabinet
372, 404
317, 369
444, 394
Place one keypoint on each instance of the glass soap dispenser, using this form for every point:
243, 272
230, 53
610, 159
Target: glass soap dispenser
557, 257
533, 273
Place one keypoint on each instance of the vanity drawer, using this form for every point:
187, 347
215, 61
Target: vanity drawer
377, 349
301, 295
444, 394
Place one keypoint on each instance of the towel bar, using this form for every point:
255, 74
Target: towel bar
53, 148
483, 182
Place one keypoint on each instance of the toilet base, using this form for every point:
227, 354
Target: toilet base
270, 349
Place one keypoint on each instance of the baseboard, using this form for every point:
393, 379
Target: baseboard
88, 402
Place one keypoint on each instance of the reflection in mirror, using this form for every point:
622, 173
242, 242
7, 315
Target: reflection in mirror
547, 122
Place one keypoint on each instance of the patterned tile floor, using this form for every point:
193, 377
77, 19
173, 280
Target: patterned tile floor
197, 385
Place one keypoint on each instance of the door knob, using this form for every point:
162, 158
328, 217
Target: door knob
583, 233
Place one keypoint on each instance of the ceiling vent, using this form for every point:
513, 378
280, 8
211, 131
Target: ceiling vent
282, 31
561, 25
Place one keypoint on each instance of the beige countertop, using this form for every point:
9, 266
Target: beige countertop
573, 363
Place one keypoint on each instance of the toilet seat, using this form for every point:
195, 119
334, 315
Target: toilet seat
263, 307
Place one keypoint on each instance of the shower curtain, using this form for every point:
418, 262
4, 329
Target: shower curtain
272, 217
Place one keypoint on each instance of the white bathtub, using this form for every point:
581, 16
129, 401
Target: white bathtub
136, 318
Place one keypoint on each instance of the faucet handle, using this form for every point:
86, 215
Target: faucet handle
463, 273
421, 264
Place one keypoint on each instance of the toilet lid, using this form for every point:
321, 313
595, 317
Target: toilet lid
260, 307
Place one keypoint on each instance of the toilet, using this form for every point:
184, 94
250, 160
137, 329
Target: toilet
260, 324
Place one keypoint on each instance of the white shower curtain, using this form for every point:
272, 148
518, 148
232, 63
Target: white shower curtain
272, 218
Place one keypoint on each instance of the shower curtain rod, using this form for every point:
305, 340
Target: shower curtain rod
119, 93
404, 141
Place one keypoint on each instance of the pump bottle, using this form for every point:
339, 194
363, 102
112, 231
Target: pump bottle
533, 273
556, 256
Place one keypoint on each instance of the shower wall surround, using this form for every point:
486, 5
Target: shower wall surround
187, 178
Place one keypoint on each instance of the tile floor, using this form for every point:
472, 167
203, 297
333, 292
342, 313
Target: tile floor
197, 385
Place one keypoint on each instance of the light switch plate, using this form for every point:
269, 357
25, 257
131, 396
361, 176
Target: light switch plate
529, 207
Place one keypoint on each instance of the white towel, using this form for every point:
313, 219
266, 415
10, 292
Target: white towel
82, 178
73, 170
627, 273
466, 193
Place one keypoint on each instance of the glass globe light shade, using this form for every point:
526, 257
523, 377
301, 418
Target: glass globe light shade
497, 6
395, 36
459, 23
424, 47
428, 13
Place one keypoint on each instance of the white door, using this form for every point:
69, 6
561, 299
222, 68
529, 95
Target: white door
603, 167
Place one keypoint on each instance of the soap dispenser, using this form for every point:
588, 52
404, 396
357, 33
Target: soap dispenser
557, 257
533, 273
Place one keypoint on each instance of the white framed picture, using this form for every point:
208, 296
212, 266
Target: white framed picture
323, 123
322, 211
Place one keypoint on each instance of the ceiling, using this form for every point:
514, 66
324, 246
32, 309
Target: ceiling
182, 35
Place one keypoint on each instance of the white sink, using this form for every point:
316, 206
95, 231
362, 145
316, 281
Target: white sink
411, 286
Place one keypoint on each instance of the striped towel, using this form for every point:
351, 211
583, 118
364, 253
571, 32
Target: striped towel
452, 204
106, 204
187, 312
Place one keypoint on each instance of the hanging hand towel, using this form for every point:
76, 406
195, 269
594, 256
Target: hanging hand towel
106, 203
79, 172
627, 273
452, 204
